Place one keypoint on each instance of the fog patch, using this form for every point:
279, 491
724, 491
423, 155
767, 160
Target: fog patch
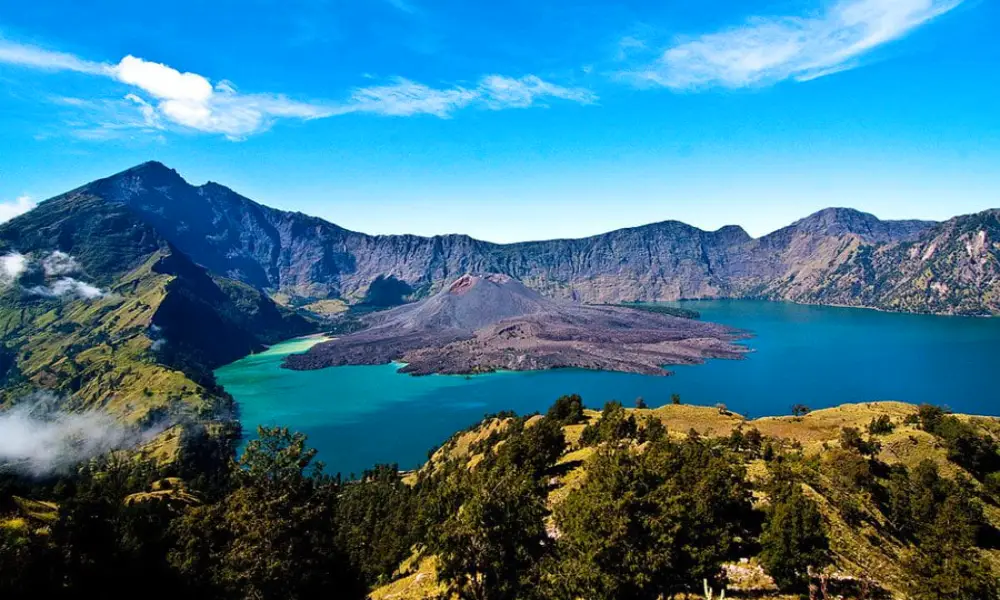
37, 437
59, 264
155, 334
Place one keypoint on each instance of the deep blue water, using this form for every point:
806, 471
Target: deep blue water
818, 356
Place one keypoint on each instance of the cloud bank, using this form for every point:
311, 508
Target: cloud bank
166, 97
771, 49
37, 438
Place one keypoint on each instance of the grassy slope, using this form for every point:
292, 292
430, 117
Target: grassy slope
98, 352
857, 549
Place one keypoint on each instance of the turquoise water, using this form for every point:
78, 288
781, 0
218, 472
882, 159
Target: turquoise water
818, 356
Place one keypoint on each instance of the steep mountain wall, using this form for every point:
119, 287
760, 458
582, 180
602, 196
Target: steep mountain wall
837, 255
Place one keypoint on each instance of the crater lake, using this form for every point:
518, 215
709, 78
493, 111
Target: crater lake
819, 356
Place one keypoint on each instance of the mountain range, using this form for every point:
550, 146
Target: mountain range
836, 256
127, 292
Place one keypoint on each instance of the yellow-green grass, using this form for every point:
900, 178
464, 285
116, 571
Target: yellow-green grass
858, 548
98, 352
417, 580
326, 308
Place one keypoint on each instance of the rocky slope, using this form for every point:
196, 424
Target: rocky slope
837, 255
491, 322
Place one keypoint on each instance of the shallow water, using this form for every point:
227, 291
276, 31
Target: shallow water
815, 355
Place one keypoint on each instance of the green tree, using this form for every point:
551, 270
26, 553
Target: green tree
880, 425
946, 563
800, 410
615, 424
850, 439
567, 410
794, 539
375, 524
490, 549
642, 525
274, 536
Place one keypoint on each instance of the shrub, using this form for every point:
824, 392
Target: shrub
567, 410
880, 425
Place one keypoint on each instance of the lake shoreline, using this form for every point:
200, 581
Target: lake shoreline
801, 354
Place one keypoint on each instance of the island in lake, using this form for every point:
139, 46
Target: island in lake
491, 322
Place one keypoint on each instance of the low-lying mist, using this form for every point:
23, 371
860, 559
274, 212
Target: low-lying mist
39, 438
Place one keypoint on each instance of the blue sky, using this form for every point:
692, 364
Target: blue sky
514, 120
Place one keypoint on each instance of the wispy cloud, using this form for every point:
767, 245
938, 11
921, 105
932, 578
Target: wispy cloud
39, 58
163, 97
110, 119
403, 5
16, 208
494, 92
38, 436
771, 49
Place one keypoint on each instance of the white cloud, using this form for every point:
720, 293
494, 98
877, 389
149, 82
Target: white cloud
190, 100
59, 263
168, 98
55, 268
21, 205
39, 58
495, 92
405, 97
12, 266
38, 437
66, 287
504, 92
403, 5
767, 50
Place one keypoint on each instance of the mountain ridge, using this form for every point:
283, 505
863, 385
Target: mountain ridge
305, 258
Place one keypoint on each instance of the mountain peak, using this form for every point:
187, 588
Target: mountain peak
836, 221
150, 174
467, 282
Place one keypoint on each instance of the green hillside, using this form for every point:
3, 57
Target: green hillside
145, 346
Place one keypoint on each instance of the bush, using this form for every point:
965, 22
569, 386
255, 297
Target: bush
614, 424
880, 425
567, 410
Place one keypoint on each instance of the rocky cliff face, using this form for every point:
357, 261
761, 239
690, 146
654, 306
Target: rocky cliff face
953, 268
837, 255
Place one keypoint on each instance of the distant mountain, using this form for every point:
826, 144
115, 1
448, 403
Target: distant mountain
97, 307
826, 257
952, 268
488, 322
